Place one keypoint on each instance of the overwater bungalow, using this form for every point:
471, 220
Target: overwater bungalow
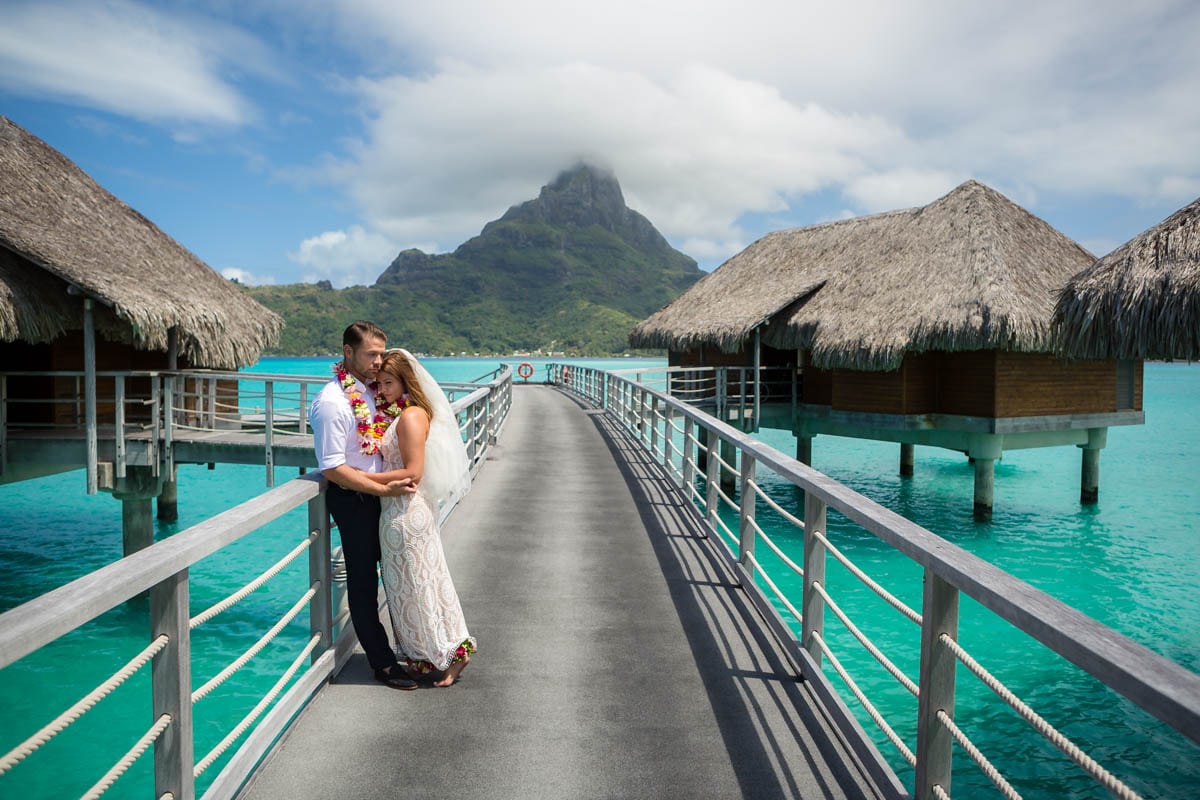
927, 326
1141, 301
88, 285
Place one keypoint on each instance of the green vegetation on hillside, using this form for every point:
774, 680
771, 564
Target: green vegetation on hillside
572, 271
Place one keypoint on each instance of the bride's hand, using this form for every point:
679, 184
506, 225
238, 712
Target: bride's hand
399, 488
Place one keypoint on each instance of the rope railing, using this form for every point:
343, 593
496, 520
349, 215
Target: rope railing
870, 582
988, 768
782, 556
784, 600
85, 704
722, 463
255, 712
254, 649
725, 498
1035, 720
780, 510
866, 642
729, 534
252, 586
637, 405
867, 705
126, 761
163, 568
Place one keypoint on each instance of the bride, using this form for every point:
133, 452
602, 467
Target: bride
424, 444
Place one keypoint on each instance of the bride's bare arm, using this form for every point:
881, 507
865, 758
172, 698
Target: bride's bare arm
411, 431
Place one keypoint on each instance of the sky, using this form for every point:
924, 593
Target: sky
287, 141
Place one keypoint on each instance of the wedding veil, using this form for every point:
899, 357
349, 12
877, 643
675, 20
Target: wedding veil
447, 473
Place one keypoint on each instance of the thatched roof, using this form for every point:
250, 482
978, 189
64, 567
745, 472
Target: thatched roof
1140, 301
970, 271
59, 228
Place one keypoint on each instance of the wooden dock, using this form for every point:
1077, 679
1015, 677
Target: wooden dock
618, 657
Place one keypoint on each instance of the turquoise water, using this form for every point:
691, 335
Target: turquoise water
51, 533
1129, 561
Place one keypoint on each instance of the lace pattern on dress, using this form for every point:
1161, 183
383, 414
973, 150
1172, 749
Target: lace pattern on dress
427, 618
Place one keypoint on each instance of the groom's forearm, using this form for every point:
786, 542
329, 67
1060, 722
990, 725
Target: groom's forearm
355, 480
394, 475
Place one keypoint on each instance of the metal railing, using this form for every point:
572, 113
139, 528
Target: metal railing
173, 404
732, 394
722, 470
162, 571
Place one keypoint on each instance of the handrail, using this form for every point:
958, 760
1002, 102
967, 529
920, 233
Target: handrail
162, 570
197, 401
1158, 685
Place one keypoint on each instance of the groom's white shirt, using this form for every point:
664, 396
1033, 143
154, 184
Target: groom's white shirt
335, 432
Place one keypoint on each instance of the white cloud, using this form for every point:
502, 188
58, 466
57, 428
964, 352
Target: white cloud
446, 153
129, 58
899, 188
247, 278
353, 257
717, 124
745, 109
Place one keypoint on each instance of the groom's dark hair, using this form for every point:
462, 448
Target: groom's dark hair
357, 331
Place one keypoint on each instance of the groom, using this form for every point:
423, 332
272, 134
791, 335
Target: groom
342, 416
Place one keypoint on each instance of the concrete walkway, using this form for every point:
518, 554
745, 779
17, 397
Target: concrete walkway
617, 657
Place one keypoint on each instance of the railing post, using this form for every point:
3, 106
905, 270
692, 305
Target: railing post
171, 678
756, 411
89, 390
302, 414
119, 426
210, 402
742, 399
168, 424
320, 573
653, 418
630, 411
490, 416
712, 479
689, 471
473, 433
747, 500
939, 616
722, 392
156, 394
812, 604
268, 425
669, 441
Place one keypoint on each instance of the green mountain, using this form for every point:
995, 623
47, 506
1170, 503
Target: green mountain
572, 270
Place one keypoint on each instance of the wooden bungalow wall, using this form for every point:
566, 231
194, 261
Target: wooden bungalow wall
715, 357
66, 355
979, 383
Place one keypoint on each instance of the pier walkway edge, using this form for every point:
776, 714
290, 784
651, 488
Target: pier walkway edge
618, 656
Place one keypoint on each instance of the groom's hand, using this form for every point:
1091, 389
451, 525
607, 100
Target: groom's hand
400, 487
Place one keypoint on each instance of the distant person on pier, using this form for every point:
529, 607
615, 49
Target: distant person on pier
347, 429
422, 445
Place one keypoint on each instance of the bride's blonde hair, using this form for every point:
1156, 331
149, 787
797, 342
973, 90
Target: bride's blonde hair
399, 367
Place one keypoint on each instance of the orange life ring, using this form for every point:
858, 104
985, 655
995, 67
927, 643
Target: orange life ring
525, 370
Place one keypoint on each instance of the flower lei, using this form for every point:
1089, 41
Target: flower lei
370, 431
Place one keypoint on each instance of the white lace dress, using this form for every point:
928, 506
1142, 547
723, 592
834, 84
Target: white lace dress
427, 618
